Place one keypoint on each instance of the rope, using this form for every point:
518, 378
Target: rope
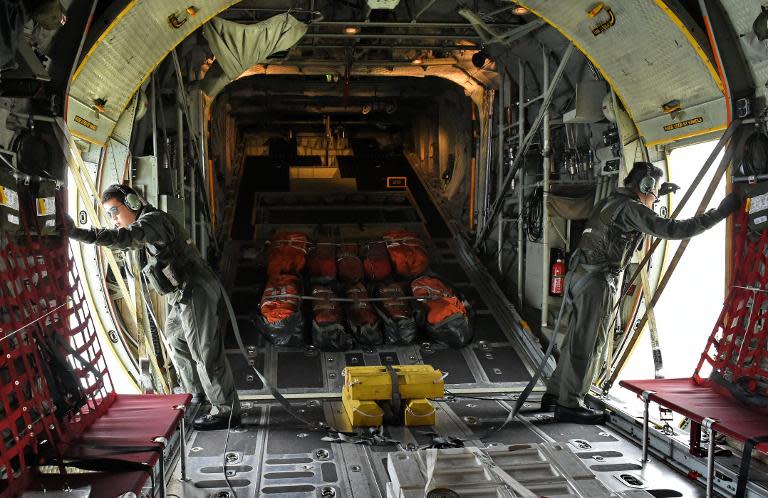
353, 300
386, 240
34, 321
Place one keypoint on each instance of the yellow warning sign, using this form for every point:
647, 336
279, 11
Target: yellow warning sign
82, 121
683, 124
46, 206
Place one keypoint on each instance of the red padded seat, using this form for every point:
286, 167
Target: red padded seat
133, 420
700, 401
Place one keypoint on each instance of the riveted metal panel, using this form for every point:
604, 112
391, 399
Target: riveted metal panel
742, 14
648, 56
124, 55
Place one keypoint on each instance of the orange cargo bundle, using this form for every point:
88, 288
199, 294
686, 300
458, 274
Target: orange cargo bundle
397, 314
328, 331
287, 253
275, 307
325, 312
376, 262
395, 307
407, 252
280, 318
350, 268
363, 320
322, 262
443, 314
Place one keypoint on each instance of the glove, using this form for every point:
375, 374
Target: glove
730, 204
668, 188
69, 223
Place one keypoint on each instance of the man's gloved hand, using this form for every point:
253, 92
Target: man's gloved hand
668, 188
69, 223
730, 204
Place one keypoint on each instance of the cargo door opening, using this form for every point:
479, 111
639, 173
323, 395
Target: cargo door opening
689, 308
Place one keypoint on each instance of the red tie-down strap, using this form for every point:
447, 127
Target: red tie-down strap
736, 349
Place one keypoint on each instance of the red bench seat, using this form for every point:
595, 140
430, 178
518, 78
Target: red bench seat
698, 402
133, 420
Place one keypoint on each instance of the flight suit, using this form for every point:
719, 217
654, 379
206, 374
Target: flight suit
614, 231
192, 326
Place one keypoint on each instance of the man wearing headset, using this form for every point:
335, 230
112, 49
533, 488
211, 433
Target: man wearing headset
614, 231
175, 268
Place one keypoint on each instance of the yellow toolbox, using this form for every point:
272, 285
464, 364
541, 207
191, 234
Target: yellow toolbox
375, 383
361, 413
419, 412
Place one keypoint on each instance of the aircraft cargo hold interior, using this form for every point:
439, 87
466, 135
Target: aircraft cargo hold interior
383, 248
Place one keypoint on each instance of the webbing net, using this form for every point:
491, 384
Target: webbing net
53, 376
737, 350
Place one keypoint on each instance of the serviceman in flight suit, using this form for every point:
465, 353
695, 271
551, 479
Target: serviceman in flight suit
175, 268
614, 231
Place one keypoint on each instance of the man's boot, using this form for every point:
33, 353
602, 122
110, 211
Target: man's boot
217, 421
580, 415
548, 402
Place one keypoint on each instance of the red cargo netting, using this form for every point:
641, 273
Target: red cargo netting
53, 377
737, 349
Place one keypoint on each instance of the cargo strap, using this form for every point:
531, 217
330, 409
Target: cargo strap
550, 349
408, 241
746, 460
393, 414
315, 425
373, 436
355, 300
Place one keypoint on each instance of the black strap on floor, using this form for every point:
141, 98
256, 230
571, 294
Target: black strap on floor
315, 425
550, 349
746, 460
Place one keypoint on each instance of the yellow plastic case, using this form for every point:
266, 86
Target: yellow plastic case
419, 412
374, 383
361, 413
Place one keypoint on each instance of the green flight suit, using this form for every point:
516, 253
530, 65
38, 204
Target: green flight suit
614, 231
192, 326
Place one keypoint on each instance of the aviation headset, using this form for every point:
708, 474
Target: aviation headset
130, 198
647, 183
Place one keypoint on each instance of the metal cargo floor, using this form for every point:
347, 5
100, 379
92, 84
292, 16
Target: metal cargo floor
271, 454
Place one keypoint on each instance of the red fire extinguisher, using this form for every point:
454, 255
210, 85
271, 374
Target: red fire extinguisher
557, 277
